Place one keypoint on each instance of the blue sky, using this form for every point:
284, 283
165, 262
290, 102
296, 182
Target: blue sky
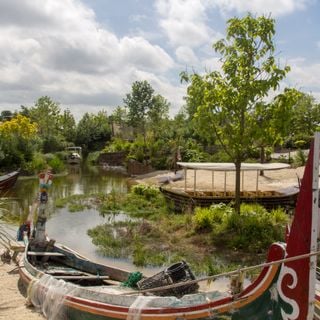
85, 54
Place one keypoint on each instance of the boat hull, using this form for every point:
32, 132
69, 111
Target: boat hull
90, 303
8, 181
181, 200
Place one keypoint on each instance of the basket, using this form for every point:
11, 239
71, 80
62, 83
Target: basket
176, 273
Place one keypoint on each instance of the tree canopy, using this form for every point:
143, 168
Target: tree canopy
226, 101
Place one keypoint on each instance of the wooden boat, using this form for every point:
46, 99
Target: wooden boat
68, 286
8, 180
189, 198
74, 155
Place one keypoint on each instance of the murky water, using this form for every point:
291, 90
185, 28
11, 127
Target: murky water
70, 228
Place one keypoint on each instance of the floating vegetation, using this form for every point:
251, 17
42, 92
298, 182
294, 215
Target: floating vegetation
76, 203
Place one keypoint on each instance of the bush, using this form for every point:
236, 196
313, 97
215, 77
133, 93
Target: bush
299, 159
92, 157
37, 164
210, 218
147, 192
56, 164
254, 229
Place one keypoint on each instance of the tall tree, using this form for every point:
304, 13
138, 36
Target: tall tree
305, 118
139, 102
93, 131
67, 126
226, 99
46, 113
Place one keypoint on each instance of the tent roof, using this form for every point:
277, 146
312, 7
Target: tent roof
229, 166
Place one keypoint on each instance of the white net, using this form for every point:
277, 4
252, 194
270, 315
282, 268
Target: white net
135, 309
48, 294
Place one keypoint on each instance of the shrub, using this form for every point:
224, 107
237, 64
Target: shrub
56, 164
253, 229
300, 158
92, 157
211, 218
147, 192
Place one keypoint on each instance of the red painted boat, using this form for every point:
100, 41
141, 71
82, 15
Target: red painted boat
68, 286
8, 180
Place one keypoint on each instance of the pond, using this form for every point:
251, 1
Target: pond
70, 228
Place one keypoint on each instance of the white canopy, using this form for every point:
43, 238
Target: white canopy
229, 166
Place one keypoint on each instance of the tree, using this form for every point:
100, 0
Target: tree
67, 126
93, 131
305, 118
6, 115
46, 113
274, 120
17, 137
143, 105
227, 99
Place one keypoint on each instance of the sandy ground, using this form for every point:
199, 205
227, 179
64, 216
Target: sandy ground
12, 296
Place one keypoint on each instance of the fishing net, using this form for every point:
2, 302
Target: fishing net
133, 279
48, 295
137, 306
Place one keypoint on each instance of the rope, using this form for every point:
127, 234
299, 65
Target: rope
262, 265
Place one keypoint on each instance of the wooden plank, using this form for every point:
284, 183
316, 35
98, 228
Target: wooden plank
55, 254
82, 277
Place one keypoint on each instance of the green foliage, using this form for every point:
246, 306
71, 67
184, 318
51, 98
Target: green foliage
148, 192
93, 131
37, 164
209, 218
92, 157
253, 230
117, 144
300, 158
226, 102
56, 164
18, 141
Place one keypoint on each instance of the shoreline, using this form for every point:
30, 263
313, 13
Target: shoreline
13, 295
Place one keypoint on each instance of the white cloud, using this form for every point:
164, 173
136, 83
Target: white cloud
184, 22
275, 7
303, 75
57, 48
186, 55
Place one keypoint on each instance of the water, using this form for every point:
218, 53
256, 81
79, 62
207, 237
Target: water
70, 228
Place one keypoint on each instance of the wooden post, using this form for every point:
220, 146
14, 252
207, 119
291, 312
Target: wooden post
257, 182
225, 183
212, 182
242, 182
194, 181
185, 179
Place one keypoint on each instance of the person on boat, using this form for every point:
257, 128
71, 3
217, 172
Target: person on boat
25, 228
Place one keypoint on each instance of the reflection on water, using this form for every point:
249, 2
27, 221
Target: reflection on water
68, 228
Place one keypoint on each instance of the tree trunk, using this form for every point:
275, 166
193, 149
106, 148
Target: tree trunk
262, 158
237, 191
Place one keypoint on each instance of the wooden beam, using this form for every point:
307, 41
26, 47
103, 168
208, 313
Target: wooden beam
54, 254
82, 277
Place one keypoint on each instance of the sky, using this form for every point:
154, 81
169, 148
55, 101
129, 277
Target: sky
85, 54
